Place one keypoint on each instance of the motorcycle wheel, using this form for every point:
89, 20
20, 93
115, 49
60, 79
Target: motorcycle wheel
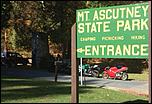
105, 76
124, 76
95, 73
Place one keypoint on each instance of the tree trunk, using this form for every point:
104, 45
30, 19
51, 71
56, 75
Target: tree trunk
40, 51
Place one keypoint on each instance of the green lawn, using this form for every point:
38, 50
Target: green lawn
141, 77
25, 90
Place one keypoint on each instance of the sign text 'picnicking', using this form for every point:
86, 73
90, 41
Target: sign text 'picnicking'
113, 32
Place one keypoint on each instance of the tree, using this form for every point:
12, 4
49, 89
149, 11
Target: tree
52, 18
5, 15
67, 14
27, 17
36, 17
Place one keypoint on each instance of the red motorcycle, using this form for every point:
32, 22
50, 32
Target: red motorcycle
115, 72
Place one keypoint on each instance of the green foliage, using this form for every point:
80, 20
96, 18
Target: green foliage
50, 17
96, 4
12, 39
5, 13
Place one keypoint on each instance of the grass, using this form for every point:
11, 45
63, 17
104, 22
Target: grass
26, 90
141, 77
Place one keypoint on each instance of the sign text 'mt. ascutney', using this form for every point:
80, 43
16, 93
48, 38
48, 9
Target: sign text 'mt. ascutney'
113, 32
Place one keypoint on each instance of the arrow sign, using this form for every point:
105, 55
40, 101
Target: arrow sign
80, 50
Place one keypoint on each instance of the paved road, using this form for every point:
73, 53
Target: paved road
139, 87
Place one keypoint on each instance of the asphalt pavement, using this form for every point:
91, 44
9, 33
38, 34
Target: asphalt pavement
130, 86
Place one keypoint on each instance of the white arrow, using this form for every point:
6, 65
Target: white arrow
80, 50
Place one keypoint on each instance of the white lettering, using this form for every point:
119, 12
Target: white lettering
120, 23
110, 49
95, 50
144, 50
80, 28
118, 50
135, 48
95, 16
87, 50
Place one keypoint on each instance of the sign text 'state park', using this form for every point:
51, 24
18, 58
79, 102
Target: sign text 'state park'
113, 32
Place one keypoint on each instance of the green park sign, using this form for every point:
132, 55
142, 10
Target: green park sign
113, 32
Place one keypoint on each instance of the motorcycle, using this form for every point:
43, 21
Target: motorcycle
88, 70
115, 72
95, 70
85, 68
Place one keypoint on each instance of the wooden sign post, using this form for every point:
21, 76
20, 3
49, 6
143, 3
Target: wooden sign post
149, 41
100, 36
74, 70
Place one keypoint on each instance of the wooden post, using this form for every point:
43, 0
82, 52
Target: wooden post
5, 41
56, 71
149, 61
81, 71
74, 70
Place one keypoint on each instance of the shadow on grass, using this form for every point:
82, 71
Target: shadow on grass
130, 79
23, 88
32, 90
16, 88
136, 101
